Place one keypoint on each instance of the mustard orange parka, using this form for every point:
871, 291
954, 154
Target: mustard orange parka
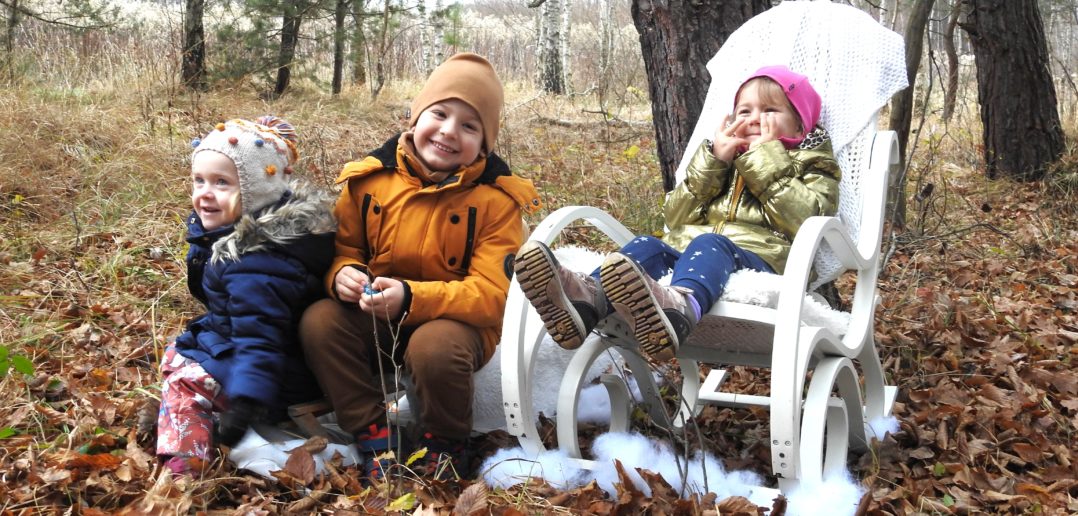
452, 243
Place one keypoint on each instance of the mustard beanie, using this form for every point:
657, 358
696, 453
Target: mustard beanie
263, 152
470, 78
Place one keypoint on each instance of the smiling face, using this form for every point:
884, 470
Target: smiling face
215, 189
448, 135
762, 97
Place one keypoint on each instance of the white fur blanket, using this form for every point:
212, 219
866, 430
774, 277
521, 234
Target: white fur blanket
262, 455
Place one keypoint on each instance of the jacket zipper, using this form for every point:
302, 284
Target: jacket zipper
731, 213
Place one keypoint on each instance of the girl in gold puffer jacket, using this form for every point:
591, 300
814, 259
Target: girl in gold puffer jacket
743, 199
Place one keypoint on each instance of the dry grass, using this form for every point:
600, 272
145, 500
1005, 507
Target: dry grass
93, 188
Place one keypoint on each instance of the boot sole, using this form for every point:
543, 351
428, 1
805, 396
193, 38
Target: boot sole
536, 270
623, 282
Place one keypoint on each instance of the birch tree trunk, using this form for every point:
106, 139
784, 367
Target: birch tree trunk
606, 47
193, 66
439, 32
550, 65
565, 47
425, 28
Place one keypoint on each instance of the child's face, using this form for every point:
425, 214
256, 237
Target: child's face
448, 135
762, 98
215, 189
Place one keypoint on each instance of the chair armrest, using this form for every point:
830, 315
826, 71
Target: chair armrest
882, 162
550, 227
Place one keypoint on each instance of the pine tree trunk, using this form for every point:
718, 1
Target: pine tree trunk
339, 12
1022, 131
383, 48
7, 66
193, 67
291, 19
678, 38
359, 46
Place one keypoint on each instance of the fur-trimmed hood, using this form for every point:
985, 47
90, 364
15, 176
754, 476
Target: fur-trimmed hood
303, 211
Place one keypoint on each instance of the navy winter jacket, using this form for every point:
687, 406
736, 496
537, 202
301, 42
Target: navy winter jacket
256, 278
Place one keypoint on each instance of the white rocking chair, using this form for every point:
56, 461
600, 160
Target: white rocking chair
826, 384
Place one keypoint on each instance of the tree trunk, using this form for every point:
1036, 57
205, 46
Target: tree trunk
439, 32
426, 24
950, 92
339, 12
902, 108
383, 47
902, 103
564, 46
606, 47
193, 67
1022, 131
359, 46
551, 74
8, 63
291, 18
9, 29
678, 38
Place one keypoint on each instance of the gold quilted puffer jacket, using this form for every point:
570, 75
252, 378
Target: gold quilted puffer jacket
759, 201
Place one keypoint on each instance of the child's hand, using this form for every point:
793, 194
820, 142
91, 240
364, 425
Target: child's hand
769, 130
350, 283
386, 299
727, 144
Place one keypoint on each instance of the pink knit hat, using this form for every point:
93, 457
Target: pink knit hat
798, 91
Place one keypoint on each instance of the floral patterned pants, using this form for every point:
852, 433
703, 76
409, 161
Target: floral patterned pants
189, 396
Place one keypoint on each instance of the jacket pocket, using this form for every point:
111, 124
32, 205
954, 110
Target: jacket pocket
372, 214
458, 243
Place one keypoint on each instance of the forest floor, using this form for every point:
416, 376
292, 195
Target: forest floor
977, 323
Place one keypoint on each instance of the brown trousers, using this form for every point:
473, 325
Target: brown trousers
440, 355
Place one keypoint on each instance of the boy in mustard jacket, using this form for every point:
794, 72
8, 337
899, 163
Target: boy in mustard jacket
428, 227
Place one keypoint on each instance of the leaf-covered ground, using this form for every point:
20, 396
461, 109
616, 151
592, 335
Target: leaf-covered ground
977, 324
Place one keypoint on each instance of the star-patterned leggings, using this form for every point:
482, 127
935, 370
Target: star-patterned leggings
704, 267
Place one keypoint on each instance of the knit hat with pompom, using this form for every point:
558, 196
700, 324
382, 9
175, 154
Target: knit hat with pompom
263, 152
